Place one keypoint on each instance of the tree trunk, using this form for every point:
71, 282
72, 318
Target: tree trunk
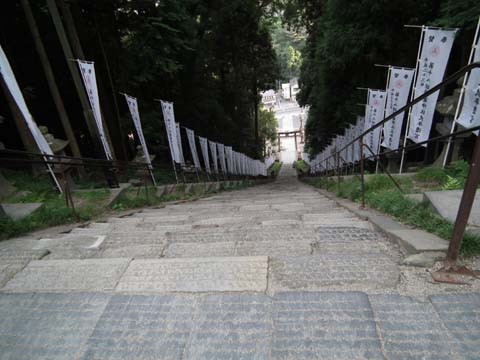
47, 68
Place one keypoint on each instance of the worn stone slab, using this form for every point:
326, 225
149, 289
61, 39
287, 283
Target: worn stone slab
231, 326
460, 314
282, 222
136, 237
21, 255
259, 207
447, 202
324, 325
417, 241
69, 275
134, 252
424, 259
410, 329
196, 275
47, 326
20, 210
9, 269
316, 272
142, 327
189, 250
273, 248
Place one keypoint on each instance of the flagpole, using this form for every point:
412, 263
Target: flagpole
462, 92
412, 94
384, 116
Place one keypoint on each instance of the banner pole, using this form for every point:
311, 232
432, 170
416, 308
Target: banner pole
462, 93
389, 72
412, 96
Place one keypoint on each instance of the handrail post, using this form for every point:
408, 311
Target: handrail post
465, 207
338, 171
362, 170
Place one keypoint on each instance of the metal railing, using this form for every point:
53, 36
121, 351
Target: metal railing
472, 181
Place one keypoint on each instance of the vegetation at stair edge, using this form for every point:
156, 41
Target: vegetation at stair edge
275, 169
382, 195
90, 203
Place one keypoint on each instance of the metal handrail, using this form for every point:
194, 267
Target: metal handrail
472, 182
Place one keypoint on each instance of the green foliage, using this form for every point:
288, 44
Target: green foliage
275, 169
431, 174
267, 126
301, 167
452, 184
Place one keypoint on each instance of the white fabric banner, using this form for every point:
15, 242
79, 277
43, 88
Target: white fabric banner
213, 150
374, 114
11, 82
170, 128
229, 156
204, 147
87, 69
193, 148
179, 142
359, 129
221, 154
469, 115
434, 55
12, 85
133, 107
397, 97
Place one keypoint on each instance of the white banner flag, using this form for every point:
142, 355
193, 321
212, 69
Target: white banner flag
133, 107
221, 155
229, 156
397, 96
433, 60
373, 115
87, 69
204, 147
213, 150
469, 115
12, 85
171, 129
359, 129
193, 148
179, 142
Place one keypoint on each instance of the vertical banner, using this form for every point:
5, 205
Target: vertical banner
87, 69
204, 147
213, 150
398, 89
179, 142
437, 44
229, 155
221, 154
193, 148
469, 115
170, 128
12, 85
373, 115
133, 107
359, 129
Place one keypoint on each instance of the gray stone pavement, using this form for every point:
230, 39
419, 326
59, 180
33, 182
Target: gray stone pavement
276, 271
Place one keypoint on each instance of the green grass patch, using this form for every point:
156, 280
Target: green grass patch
275, 168
301, 167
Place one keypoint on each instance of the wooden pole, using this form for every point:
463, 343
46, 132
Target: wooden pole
52, 84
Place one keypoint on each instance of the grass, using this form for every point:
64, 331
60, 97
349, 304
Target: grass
301, 167
382, 195
90, 202
275, 168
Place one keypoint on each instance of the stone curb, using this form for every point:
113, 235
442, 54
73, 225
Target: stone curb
413, 241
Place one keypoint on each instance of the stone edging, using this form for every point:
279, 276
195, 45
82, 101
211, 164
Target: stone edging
413, 241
